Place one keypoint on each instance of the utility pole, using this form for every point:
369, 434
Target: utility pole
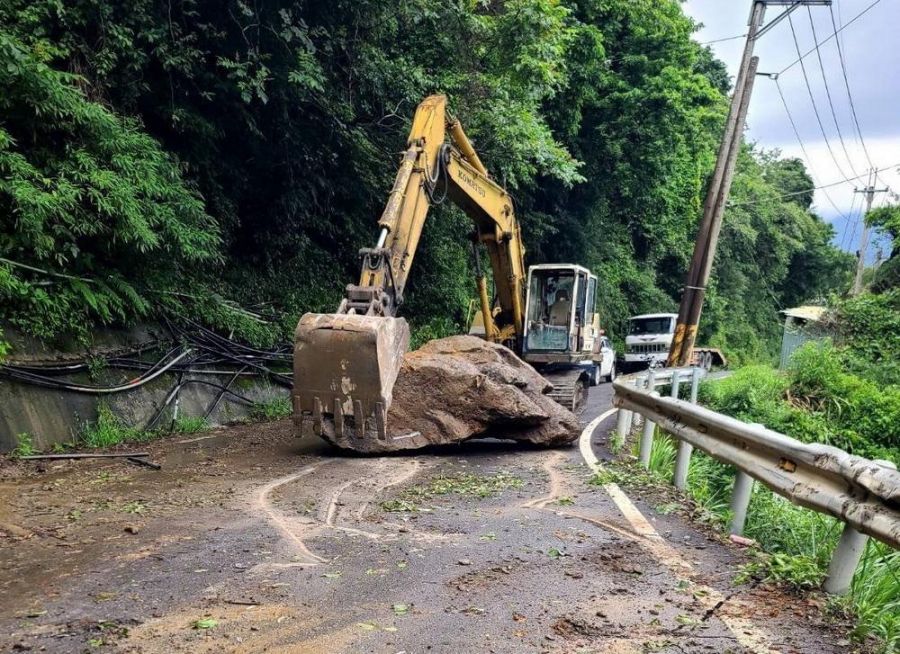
720, 184
870, 192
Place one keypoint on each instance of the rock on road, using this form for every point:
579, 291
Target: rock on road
251, 541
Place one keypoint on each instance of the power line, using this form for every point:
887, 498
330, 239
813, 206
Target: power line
727, 38
846, 77
805, 153
820, 187
834, 117
847, 222
812, 99
833, 35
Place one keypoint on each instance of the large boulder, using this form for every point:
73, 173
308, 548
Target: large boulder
462, 387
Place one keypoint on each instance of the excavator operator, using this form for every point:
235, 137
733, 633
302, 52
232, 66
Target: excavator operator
559, 312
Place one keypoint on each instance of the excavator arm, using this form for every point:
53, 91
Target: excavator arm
346, 363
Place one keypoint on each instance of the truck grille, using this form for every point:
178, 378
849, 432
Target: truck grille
647, 348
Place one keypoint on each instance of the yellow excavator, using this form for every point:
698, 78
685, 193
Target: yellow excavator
346, 363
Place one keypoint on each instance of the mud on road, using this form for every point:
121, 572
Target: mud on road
251, 541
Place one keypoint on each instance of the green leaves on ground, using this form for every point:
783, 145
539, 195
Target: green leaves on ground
205, 623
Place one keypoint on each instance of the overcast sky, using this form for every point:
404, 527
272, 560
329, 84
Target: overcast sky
872, 55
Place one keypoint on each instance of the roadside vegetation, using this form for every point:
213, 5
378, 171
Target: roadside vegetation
199, 163
842, 391
110, 430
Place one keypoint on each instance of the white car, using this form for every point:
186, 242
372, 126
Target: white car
606, 368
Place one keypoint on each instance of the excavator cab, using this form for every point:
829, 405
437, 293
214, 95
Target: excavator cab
561, 322
562, 328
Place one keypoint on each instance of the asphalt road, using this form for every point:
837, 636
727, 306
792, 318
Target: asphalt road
250, 541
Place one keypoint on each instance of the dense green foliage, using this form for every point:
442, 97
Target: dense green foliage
886, 221
816, 400
166, 156
845, 394
868, 329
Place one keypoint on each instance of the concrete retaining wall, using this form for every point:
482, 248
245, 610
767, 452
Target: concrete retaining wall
51, 416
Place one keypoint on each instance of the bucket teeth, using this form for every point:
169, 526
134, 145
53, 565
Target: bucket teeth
317, 416
381, 421
338, 418
354, 426
345, 367
359, 417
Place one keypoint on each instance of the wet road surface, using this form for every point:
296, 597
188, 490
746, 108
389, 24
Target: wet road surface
251, 541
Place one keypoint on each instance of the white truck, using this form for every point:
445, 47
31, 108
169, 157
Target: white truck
649, 340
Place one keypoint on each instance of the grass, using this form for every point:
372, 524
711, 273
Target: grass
190, 425
275, 409
109, 430
797, 545
24, 447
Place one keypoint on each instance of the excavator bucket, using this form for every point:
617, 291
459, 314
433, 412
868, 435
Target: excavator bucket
345, 366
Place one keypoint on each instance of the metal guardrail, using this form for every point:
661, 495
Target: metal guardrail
863, 494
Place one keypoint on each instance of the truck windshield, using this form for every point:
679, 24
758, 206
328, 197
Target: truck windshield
650, 326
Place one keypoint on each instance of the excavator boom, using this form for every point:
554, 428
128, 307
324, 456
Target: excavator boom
346, 363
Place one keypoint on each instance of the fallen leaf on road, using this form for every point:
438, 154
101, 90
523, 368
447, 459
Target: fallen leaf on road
205, 623
400, 609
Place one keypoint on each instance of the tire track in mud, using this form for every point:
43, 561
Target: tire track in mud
287, 526
339, 514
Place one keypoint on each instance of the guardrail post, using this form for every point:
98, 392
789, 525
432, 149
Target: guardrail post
649, 426
843, 564
683, 458
847, 554
740, 500
675, 385
623, 424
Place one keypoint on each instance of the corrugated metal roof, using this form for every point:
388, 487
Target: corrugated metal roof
812, 313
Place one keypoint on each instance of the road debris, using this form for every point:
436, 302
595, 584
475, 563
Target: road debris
462, 387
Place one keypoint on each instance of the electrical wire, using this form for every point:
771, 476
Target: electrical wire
806, 153
812, 99
846, 77
820, 187
847, 222
727, 38
833, 35
834, 117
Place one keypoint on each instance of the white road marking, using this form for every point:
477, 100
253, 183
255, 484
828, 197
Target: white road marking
584, 441
744, 631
